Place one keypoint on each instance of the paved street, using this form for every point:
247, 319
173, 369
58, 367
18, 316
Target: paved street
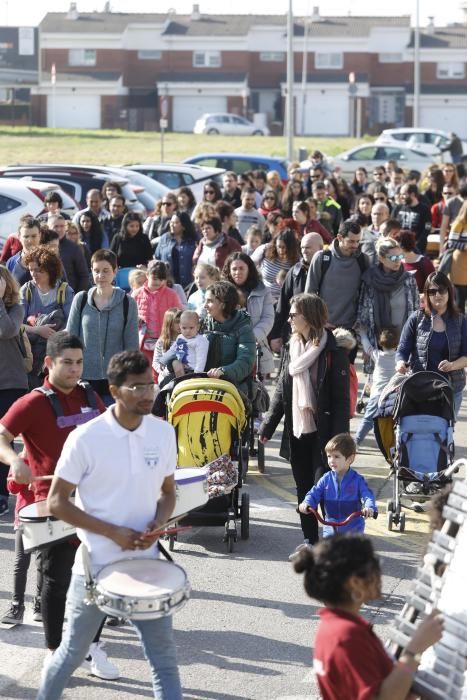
247, 632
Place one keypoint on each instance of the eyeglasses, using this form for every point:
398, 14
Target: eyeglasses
140, 389
448, 192
437, 290
395, 258
167, 204
380, 199
270, 196
378, 172
209, 192
448, 170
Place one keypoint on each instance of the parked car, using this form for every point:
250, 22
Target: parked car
430, 141
176, 175
372, 155
239, 162
228, 125
77, 180
26, 196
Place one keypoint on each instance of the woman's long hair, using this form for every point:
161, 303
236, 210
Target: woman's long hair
166, 336
441, 280
94, 237
188, 227
253, 278
11, 295
288, 237
128, 218
315, 313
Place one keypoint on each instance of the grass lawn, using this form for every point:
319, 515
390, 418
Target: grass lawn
37, 145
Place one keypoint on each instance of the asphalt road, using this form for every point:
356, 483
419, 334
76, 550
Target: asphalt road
247, 632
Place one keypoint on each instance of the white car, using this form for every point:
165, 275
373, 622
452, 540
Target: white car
430, 141
229, 125
26, 196
176, 175
373, 155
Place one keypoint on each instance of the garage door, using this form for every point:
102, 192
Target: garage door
188, 108
445, 118
324, 115
74, 111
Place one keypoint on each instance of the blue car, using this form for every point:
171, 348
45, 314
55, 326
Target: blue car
239, 162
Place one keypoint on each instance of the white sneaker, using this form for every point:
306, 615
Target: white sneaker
99, 665
298, 549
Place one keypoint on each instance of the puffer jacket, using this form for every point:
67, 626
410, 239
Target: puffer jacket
237, 351
342, 499
333, 398
152, 305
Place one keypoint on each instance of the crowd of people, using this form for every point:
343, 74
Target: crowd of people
309, 271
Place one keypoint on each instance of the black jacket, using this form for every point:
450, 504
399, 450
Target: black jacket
131, 252
74, 262
294, 283
333, 399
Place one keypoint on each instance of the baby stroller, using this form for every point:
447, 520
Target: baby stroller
417, 441
211, 425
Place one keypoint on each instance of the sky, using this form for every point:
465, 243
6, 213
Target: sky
30, 12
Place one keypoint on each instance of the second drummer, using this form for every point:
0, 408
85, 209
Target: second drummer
122, 466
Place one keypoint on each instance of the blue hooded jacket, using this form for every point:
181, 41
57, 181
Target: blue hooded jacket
341, 499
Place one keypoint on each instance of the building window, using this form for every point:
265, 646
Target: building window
277, 56
82, 57
390, 58
207, 59
149, 55
450, 70
329, 60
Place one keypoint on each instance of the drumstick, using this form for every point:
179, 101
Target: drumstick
46, 477
170, 531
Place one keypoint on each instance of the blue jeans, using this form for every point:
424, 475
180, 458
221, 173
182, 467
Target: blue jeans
83, 622
366, 424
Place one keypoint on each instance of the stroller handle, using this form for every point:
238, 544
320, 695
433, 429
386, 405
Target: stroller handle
338, 523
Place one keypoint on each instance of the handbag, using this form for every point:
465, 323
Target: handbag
25, 349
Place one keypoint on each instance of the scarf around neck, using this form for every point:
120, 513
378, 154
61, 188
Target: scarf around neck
384, 284
303, 368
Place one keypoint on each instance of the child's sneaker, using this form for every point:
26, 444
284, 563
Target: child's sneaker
14, 615
36, 610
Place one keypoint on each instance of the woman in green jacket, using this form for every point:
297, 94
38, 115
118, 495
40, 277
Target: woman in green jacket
232, 345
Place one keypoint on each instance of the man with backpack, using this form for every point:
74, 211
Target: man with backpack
336, 273
45, 417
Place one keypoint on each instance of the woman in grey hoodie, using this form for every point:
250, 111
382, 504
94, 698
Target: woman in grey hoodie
106, 320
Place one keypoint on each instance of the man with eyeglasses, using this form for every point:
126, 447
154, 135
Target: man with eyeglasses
122, 467
247, 214
414, 215
44, 418
231, 192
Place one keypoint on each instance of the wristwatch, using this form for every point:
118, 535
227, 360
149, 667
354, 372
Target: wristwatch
222, 370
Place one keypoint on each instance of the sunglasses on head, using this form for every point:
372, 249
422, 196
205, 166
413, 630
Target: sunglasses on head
433, 291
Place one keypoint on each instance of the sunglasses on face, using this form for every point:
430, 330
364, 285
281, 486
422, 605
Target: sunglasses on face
437, 290
167, 204
269, 196
447, 192
395, 258
209, 192
380, 199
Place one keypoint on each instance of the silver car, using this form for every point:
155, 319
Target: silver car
229, 125
429, 141
373, 155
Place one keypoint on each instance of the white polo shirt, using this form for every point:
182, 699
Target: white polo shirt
118, 475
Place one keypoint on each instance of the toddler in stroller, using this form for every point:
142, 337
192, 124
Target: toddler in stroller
417, 440
210, 423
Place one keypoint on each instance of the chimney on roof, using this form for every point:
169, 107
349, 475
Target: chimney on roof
430, 27
315, 16
195, 13
73, 11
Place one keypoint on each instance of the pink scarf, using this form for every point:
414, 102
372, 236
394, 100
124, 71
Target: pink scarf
303, 369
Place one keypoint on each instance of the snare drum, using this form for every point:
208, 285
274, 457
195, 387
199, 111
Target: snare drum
141, 589
191, 489
39, 528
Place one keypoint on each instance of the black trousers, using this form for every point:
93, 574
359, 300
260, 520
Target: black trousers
308, 466
461, 293
57, 561
7, 399
20, 570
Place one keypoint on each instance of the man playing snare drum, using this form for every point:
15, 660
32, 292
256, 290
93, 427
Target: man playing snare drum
45, 417
122, 466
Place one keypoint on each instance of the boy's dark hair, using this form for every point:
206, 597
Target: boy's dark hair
158, 269
60, 341
47, 235
124, 363
349, 226
104, 255
54, 197
343, 443
389, 338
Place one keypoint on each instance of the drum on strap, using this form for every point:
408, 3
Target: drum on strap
140, 589
39, 528
191, 487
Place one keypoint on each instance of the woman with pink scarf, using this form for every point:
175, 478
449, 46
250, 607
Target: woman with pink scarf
312, 393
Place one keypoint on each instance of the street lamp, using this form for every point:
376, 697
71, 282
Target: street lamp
306, 27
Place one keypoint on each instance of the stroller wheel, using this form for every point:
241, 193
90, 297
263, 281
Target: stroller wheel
389, 520
245, 516
402, 522
390, 506
260, 457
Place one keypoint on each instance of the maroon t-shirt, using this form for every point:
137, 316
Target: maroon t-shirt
349, 659
33, 417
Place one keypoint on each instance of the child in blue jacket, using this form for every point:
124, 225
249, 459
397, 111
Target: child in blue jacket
342, 490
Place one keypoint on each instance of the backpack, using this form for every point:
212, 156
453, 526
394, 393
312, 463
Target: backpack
25, 348
326, 263
61, 292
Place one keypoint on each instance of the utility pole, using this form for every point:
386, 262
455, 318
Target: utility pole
290, 83
416, 68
